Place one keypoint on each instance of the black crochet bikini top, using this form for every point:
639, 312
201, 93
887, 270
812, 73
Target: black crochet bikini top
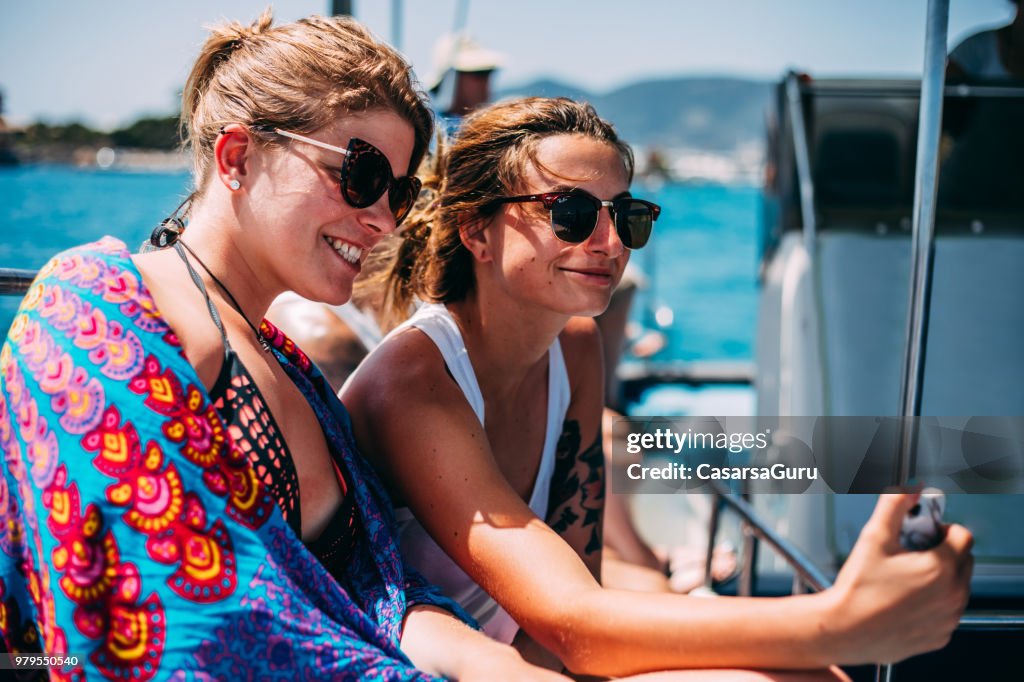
252, 427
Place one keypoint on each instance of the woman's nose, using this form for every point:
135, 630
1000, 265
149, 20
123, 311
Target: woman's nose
605, 238
378, 216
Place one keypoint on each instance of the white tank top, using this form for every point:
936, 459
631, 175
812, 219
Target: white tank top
418, 548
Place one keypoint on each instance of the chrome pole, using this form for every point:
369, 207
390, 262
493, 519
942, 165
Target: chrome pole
923, 235
811, 576
748, 579
922, 242
992, 620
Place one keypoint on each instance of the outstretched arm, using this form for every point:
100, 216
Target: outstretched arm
415, 423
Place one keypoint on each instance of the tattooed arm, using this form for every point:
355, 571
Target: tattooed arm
576, 502
576, 506
411, 419
577, 492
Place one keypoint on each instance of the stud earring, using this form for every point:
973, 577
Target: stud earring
234, 185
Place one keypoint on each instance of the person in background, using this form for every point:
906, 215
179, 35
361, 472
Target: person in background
181, 494
462, 79
482, 412
336, 337
326, 333
628, 562
992, 54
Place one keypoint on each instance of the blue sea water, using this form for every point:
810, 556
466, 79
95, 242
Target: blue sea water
701, 261
702, 264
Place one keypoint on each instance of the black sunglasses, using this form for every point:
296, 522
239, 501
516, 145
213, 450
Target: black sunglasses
574, 215
365, 175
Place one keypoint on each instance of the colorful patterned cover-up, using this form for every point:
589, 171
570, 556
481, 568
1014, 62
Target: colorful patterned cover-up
137, 537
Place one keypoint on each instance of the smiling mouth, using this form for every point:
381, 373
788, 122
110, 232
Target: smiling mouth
591, 273
350, 252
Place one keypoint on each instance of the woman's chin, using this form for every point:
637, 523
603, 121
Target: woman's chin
592, 306
338, 294
588, 310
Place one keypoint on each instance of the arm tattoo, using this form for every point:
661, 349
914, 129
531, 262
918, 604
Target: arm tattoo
579, 474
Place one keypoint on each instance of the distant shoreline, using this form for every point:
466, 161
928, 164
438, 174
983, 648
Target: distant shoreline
679, 166
104, 158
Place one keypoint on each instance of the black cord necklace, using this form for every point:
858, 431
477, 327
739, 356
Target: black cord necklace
231, 299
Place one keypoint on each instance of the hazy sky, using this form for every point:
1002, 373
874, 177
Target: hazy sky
107, 61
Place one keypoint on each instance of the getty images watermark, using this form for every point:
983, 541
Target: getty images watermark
815, 454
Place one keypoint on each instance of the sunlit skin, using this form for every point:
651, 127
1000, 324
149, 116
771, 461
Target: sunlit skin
467, 482
293, 201
268, 237
521, 257
523, 273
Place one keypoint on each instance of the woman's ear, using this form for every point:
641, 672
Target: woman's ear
477, 239
231, 152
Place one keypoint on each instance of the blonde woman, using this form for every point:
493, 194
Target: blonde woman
181, 494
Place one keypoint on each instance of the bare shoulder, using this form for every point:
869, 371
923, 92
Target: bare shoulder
182, 306
406, 408
402, 370
403, 383
582, 332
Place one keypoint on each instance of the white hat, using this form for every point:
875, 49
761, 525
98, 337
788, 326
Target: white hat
462, 53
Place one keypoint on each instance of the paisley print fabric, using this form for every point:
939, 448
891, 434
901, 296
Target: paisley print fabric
253, 430
134, 531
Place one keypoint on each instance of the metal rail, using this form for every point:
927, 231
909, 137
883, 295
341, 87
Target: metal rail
992, 620
957, 90
808, 575
15, 282
806, 571
647, 373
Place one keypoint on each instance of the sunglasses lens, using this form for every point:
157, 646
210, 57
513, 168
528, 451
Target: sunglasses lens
364, 175
403, 195
573, 218
633, 222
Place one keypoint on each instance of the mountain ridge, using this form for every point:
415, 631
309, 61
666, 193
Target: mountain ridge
711, 113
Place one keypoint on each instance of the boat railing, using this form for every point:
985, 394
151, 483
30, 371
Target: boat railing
806, 575
802, 149
15, 282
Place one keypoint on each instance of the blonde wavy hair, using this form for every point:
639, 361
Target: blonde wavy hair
484, 162
300, 77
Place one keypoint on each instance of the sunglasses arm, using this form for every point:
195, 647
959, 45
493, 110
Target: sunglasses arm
309, 140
